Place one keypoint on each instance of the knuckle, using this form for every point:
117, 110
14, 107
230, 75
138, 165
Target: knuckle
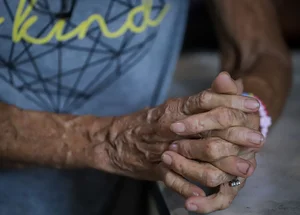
211, 178
173, 106
213, 149
210, 182
221, 178
223, 116
204, 98
235, 117
193, 124
196, 102
187, 104
153, 114
184, 149
216, 177
178, 166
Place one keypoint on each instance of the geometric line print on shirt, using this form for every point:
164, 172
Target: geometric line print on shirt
104, 62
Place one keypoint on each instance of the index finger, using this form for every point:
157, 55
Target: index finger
179, 184
218, 201
208, 100
216, 119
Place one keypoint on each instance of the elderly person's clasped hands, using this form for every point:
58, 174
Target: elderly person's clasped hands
210, 138
227, 127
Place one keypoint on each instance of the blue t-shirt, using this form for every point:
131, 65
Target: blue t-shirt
100, 57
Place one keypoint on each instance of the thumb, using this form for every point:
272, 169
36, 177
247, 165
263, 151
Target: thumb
224, 84
240, 86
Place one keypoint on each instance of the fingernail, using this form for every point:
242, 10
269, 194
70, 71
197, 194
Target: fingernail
195, 194
178, 127
174, 147
167, 159
243, 167
251, 104
226, 75
192, 207
255, 138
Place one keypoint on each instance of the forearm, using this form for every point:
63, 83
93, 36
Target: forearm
272, 91
254, 50
48, 139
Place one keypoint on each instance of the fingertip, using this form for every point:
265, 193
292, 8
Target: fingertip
194, 203
251, 104
174, 147
225, 74
191, 207
167, 158
197, 192
245, 167
224, 84
178, 127
190, 203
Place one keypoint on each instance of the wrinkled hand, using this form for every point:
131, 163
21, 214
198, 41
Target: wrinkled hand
220, 200
229, 150
137, 141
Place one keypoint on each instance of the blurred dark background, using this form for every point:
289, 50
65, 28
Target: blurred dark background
200, 32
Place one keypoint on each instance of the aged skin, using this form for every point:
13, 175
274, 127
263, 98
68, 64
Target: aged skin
128, 145
22, 126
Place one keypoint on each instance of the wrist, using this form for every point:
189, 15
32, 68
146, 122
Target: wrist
90, 140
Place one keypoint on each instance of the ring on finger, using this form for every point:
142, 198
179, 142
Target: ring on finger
234, 183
